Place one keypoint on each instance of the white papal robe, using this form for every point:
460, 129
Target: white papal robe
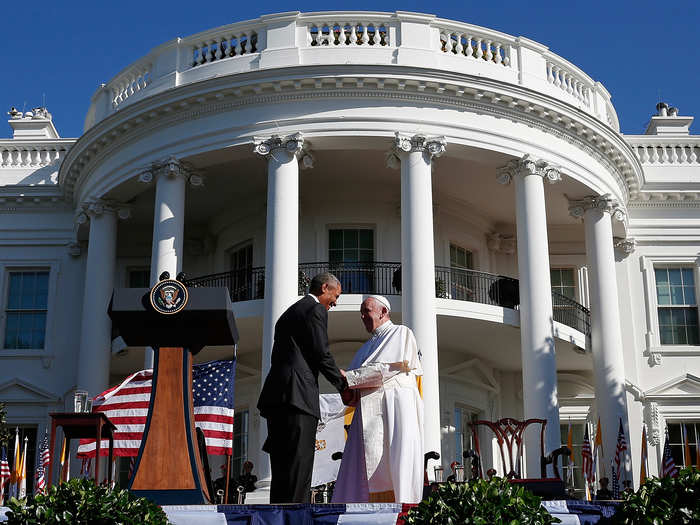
384, 450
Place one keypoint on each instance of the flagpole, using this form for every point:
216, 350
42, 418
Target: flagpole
14, 478
22, 488
228, 476
686, 447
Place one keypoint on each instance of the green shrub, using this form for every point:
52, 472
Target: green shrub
81, 502
481, 502
665, 500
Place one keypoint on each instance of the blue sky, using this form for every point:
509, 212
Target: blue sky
64, 50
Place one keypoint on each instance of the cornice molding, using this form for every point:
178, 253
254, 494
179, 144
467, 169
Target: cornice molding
553, 116
666, 200
17, 198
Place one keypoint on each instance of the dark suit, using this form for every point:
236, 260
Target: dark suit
289, 398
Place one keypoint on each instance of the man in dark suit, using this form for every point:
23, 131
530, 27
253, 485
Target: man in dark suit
289, 398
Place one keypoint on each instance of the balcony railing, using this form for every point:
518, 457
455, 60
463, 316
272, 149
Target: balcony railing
352, 37
384, 278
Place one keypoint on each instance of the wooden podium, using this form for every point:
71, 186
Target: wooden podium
168, 468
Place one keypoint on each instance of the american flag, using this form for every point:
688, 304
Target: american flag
126, 406
586, 458
621, 447
643, 468
44, 454
5, 473
616, 482
668, 464
40, 479
44, 459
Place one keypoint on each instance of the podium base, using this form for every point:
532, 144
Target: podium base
173, 496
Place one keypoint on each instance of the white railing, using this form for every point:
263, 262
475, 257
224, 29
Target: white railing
130, 82
290, 39
354, 33
475, 45
570, 80
670, 152
224, 45
31, 155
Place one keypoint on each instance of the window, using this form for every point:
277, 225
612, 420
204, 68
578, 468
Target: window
463, 434
350, 246
677, 307
139, 277
567, 466
240, 443
26, 309
461, 283
563, 282
241, 267
241, 257
460, 257
30, 434
351, 258
677, 442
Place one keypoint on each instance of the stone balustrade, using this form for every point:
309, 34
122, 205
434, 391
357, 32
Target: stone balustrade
673, 152
406, 39
32, 155
570, 81
135, 79
475, 44
353, 33
225, 45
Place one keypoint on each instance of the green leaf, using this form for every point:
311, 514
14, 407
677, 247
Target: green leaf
79, 501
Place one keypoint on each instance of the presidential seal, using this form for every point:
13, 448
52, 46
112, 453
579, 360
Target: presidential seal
169, 296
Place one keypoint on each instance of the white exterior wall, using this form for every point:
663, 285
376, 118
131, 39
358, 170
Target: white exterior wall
348, 105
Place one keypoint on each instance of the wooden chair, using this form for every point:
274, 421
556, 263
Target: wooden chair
509, 435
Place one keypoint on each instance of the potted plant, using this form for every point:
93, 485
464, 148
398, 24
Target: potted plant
480, 501
80, 501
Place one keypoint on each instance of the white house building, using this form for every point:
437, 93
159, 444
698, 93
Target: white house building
444, 165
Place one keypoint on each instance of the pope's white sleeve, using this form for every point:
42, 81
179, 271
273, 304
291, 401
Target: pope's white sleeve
369, 376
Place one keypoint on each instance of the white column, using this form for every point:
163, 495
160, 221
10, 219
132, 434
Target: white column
418, 268
96, 326
536, 318
168, 225
281, 246
606, 335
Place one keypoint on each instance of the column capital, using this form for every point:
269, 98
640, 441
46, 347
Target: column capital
74, 248
293, 144
432, 145
528, 165
625, 246
170, 168
98, 207
501, 242
605, 203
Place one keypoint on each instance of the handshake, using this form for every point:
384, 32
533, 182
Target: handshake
374, 375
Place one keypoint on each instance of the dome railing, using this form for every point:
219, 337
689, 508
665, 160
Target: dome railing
384, 278
327, 38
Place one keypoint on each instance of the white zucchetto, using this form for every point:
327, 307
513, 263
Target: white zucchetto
382, 300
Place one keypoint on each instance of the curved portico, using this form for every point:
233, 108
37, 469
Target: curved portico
220, 126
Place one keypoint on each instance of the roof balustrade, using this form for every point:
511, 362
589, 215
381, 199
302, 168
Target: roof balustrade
368, 38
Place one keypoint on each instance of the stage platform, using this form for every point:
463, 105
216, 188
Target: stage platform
570, 512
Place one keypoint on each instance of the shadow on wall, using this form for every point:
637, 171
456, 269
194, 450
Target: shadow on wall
46, 175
